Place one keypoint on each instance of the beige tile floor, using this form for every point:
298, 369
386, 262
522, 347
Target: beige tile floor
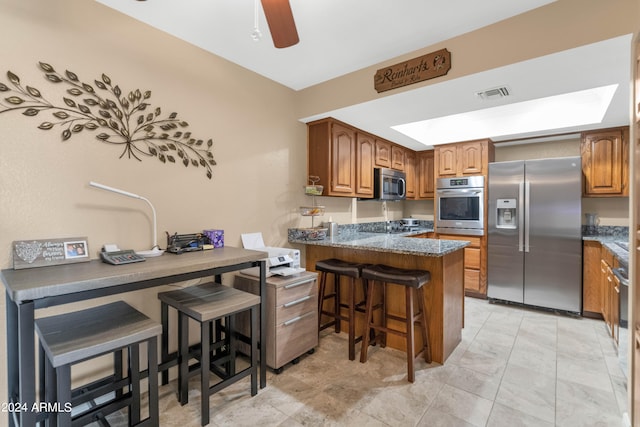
514, 367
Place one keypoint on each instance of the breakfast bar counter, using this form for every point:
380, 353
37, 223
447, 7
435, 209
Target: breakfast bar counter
30, 289
444, 294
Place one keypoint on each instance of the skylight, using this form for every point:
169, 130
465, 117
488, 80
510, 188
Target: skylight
555, 112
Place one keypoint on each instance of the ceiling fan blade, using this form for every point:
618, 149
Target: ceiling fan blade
281, 24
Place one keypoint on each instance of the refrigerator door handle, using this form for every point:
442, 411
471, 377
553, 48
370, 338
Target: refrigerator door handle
527, 214
521, 217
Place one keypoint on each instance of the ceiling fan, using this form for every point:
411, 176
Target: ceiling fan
281, 24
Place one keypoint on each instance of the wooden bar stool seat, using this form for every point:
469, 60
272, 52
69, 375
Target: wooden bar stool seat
353, 271
413, 281
209, 304
70, 338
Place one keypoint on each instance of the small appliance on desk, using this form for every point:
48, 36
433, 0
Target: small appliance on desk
281, 261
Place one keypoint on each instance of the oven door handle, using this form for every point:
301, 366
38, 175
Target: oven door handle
460, 191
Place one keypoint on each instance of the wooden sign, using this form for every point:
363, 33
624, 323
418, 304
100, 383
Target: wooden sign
40, 253
425, 67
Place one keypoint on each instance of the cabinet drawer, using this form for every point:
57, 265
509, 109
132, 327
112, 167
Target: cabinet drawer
472, 258
295, 337
475, 241
294, 291
296, 307
472, 279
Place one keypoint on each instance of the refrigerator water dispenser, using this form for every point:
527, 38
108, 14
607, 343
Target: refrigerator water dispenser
506, 213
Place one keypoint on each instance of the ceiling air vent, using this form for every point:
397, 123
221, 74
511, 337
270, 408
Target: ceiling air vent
495, 93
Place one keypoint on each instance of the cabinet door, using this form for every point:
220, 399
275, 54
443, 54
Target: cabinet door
606, 296
425, 175
412, 176
470, 158
343, 162
474, 264
365, 152
445, 157
383, 153
591, 279
397, 157
604, 163
615, 308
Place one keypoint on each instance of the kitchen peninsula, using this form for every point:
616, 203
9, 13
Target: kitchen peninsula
444, 294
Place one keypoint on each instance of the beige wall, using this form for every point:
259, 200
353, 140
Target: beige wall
259, 144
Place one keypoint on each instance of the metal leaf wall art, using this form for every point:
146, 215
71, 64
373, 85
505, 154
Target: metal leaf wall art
125, 120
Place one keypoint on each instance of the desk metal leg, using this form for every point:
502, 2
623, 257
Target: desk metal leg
13, 377
263, 324
21, 367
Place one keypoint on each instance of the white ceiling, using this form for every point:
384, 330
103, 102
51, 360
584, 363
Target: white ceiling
341, 36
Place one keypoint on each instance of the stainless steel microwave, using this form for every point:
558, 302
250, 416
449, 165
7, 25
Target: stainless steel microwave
389, 184
460, 205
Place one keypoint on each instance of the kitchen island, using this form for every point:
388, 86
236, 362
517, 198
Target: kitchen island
444, 294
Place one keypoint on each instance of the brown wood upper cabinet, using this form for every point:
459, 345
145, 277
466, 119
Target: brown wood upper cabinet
425, 175
605, 162
365, 152
383, 153
463, 158
410, 169
397, 157
341, 161
420, 179
343, 157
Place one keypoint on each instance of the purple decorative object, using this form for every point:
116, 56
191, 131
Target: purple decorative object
216, 237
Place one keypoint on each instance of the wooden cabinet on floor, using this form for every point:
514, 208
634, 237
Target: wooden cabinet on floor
592, 292
292, 315
605, 162
600, 287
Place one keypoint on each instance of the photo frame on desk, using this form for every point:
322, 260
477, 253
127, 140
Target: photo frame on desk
41, 253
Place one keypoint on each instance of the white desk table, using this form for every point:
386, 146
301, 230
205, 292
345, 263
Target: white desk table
30, 289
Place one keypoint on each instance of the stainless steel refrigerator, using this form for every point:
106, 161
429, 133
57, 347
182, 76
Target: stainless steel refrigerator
534, 233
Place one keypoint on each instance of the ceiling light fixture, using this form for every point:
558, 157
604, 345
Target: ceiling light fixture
564, 111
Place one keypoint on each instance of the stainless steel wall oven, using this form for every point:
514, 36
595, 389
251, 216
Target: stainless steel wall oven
460, 205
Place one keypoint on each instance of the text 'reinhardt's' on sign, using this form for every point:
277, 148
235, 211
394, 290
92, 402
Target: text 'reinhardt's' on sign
415, 70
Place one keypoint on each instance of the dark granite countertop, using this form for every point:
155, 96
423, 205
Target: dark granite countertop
400, 243
621, 254
609, 237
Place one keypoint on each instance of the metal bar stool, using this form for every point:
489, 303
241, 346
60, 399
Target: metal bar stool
413, 281
208, 304
70, 338
353, 271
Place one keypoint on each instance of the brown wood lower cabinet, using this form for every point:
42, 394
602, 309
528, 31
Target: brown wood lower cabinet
292, 315
600, 287
475, 272
592, 294
443, 294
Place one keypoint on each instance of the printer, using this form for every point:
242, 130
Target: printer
280, 262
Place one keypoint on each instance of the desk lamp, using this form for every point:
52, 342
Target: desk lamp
155, 250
